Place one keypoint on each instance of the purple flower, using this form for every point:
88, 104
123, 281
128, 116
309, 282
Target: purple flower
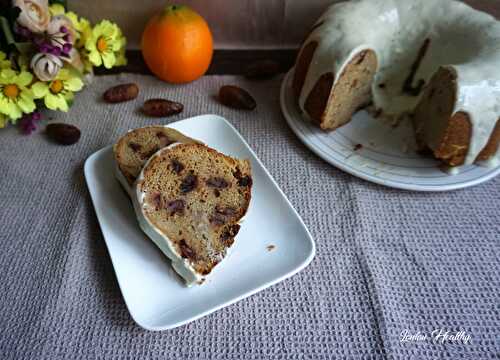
63, 29
23, 31
39, 41
45, 48
67, 48
27, 125
55, 51
36, 116
28, 122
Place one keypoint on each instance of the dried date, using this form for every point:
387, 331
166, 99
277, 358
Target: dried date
237, 98
64, 134
161, 107
121, 93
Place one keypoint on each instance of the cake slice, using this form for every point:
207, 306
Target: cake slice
189, 200
135, 148
448, 134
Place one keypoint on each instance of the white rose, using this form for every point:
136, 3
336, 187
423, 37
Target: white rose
34, 14
46, 66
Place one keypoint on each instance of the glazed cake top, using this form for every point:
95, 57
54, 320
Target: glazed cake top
447, 32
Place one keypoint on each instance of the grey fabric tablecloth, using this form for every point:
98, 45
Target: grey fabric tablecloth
389, 263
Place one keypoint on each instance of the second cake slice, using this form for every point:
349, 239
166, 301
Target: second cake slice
189, 200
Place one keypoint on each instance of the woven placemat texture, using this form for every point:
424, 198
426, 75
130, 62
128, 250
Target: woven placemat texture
388, 262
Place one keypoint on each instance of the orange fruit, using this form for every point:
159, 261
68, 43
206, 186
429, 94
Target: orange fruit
177, 44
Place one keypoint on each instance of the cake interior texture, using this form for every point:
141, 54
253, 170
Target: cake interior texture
196, 196
134, 149
433, 61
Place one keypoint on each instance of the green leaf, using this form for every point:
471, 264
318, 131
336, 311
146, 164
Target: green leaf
24, 47
7, 33
9, 14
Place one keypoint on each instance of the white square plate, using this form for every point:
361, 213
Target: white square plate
154, 294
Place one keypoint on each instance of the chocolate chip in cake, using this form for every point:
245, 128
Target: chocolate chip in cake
227, 236
237, 174
222, 215
245, 181
177, 166
164, 140
227, 211
149, 153
189, 183
157, 201
217, 219
134, 146
216, 193
186, 251
217, 182
176, 207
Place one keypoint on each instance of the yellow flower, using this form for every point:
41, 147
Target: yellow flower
15, 97
58, 93
82, 27
4, 62
121, 60
86, 30
104, 44
56, 9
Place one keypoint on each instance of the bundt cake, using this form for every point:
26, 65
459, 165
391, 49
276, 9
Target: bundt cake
134, 148
189, 199
435, 61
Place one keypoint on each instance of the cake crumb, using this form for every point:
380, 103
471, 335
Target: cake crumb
358, 147
270, 247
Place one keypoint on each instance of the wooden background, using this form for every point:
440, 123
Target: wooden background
236, 24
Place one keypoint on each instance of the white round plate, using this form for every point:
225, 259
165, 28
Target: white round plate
373, 150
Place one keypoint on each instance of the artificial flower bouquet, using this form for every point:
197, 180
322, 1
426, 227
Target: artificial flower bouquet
46, 55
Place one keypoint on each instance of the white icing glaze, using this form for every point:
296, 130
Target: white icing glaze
461, 38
